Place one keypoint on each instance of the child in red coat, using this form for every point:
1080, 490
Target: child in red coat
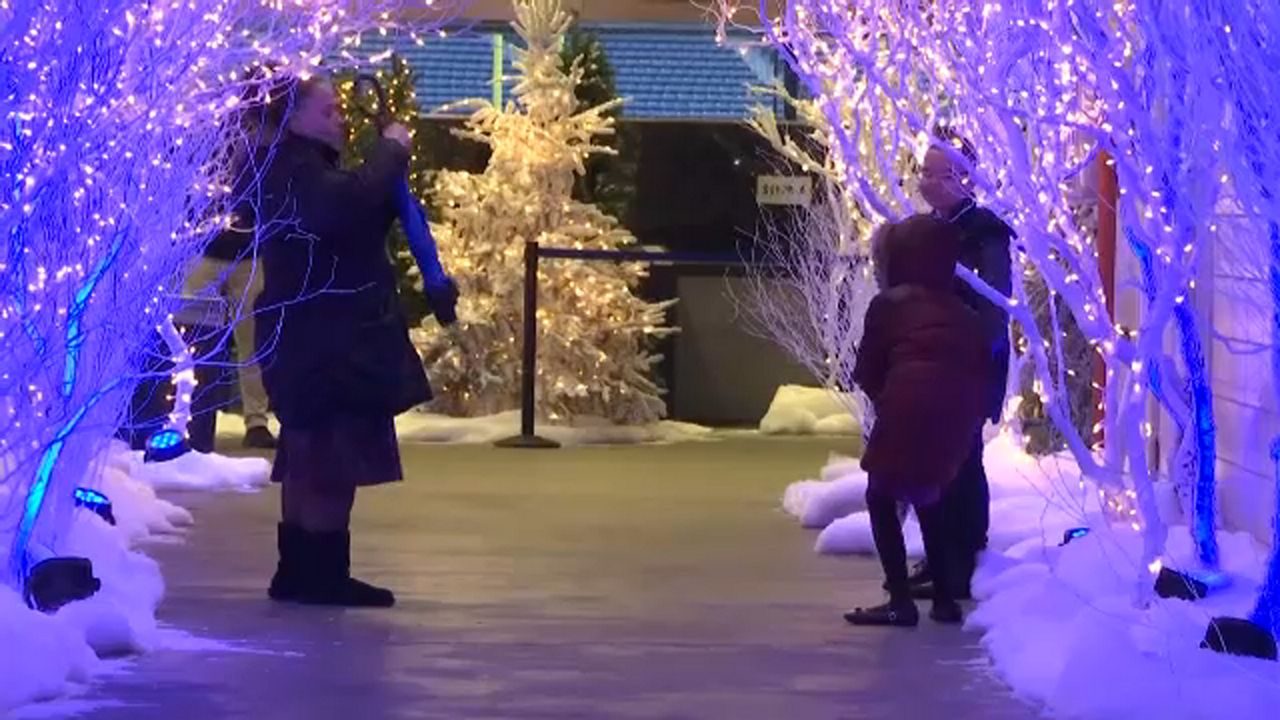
923, 363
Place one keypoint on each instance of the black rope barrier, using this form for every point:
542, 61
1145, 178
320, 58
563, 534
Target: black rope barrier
533, 252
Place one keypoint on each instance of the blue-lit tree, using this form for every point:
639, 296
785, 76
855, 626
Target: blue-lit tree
113, 119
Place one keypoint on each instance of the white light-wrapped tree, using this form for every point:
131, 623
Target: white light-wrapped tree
1043, 90
594, 332
115, 116
811, 278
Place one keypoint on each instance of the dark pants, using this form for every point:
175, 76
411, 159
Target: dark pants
966, 508
886, 527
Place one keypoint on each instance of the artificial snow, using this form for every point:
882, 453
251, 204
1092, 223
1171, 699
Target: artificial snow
799, 410
1063, 624
205, 471
45, 655
432, 428
1027, 501
1062, 627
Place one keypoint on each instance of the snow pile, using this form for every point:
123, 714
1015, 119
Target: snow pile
140, 514
841, 491
1027, 501
1061, 622
428, 427
204, 471
1062, 628
43, 653
799, 410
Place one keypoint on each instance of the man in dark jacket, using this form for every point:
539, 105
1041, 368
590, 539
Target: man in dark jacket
945, 185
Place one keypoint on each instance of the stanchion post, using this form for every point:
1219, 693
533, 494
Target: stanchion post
529, 362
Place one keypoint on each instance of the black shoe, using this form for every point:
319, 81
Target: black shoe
329, 580
259, 438
287, 583
891, 614
946, 612
925, 592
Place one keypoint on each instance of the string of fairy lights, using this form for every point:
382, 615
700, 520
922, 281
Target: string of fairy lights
1043, 90
115, 114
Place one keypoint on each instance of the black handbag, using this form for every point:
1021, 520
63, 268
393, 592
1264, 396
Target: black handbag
379, 371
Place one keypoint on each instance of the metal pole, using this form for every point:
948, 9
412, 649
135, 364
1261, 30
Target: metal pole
529, 360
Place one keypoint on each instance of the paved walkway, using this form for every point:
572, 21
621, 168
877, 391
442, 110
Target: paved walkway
648, 582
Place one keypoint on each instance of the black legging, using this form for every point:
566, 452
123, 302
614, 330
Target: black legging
886, 527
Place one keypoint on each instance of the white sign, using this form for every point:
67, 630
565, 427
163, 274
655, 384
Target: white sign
784, 190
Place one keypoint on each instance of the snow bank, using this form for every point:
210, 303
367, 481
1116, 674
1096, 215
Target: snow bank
1060, 622
841, 491
428, 427
43, 654
799, 410
204, 471
1061, 626
1030, 499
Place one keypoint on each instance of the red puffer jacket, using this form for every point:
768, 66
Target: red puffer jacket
924, 364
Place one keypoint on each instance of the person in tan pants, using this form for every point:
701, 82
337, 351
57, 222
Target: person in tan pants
229, 270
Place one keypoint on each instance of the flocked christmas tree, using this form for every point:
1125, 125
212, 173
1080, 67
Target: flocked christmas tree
594, 334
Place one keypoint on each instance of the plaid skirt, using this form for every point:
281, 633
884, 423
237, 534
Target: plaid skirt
345, 451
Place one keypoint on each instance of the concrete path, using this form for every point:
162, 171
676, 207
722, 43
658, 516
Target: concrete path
647, 582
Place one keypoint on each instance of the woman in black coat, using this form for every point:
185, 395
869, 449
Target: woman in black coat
338, 365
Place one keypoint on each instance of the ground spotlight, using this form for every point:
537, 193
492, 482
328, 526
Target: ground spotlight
1073, 534
165, 445
59, 581
1237, 636
96, 503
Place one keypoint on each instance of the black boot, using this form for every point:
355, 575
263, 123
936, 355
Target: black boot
329, 580
288, 580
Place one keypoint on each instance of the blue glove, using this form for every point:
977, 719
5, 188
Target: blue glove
441, 292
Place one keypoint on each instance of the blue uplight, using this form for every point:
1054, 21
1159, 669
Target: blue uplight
1074, 534
165, 445
96, 503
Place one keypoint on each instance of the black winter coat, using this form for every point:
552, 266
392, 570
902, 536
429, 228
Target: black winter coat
328, 277
984, 249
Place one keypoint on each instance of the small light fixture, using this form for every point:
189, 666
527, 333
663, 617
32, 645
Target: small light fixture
1237, 636
59, 581
165, 445
1073, 534
96, 503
